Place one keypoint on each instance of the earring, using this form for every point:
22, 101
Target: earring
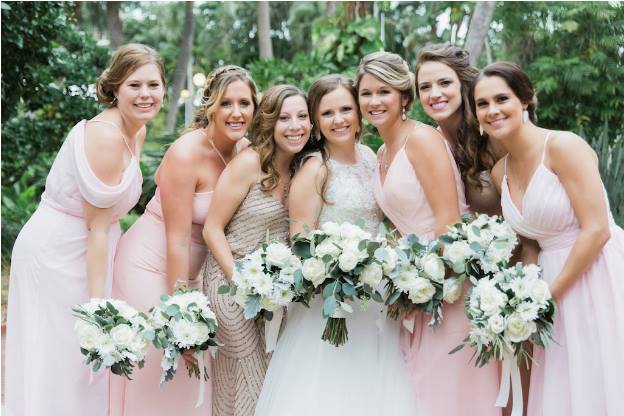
114, 101
525, 116
403, 116
480, 129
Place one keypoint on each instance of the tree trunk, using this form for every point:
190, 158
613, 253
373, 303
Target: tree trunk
179, 74
330, 8
264, 30
113, 22
479, 25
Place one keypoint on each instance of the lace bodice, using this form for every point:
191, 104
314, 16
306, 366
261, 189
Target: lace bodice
349, 192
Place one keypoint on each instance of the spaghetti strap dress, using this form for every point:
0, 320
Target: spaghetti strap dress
581, 372
45, 371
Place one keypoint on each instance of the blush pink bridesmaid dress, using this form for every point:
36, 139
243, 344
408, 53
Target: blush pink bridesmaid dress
581, 373
45, 371
140, 277
445, 385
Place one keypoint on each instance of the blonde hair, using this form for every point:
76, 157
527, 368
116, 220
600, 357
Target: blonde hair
391, 69
126, 59
214, 88
262, 131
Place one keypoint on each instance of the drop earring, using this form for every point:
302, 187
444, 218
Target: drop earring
403, 116
525, 116
480, 130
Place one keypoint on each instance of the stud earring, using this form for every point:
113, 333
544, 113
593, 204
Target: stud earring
525, 116
114, 102
480, 129
403, 116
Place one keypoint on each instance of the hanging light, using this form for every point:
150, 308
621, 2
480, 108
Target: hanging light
199, 79
185, 94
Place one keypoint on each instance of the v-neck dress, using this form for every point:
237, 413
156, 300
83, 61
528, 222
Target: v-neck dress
445, 385
582, 372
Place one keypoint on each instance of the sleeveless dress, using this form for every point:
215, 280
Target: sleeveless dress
139, 278
581, 373
241, 363
364, 377
45, 371
445, 384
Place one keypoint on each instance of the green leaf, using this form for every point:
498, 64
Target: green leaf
346, 307
252, 306
223, 289
328, 290
329, 306
173, 310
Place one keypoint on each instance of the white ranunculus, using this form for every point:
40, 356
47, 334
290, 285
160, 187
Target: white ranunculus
451, 290
331, 228
184, 333
404, 281
421, 291
539, 291
278, 254
491, 300
327, 247
496, 324
89, 335
458, 252
518, 329
433, 267
372, 274
348, 260
122, 335
314, 270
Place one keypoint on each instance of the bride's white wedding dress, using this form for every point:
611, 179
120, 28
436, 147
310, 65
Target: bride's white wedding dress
367, 375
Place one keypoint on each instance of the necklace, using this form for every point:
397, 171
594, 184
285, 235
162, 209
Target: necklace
214, 147
286, 190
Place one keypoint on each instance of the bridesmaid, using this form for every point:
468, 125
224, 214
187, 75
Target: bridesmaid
582, 249
166, 245
249, 204
419, 188
63, 255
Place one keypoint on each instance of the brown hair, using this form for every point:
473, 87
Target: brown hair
471, 150
391, 69
319, 89
262, 130
516, 79
214, 88
126, 59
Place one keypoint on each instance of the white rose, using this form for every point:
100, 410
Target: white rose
496, 324
89, 335
497, 254
122, 335
331, 228
327, 247
389, 263
372, 275
433, 267
539, 291
202, 332
314, 270
451, 290
457, 252
531, 271
348, 260
353, 232
518, 329
491, 299
421, 291
278, 254
521, 287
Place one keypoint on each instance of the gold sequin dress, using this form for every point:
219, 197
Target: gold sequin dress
240, 365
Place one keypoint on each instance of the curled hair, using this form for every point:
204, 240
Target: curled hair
263, 128
516, 79
214, 88
471, 150
319, 89
391, 69
126, 59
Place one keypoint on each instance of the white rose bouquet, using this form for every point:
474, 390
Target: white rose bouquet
343, 263
417, 279
478, 247
112, 334
505, 311
183, 322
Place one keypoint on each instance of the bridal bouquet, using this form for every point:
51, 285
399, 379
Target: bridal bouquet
264, 282
344, 264
416, 279
112, 334
478, 247
505, 311
183, 322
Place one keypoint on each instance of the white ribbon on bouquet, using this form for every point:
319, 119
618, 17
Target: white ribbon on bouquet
271, 329
510, 372
202, 382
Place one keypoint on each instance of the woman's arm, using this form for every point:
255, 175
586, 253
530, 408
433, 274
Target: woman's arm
575, 163
232, 188
427, 153
304, 200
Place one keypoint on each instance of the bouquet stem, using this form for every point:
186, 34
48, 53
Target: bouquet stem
336, 331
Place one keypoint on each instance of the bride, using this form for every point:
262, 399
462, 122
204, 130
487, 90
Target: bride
366, 376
